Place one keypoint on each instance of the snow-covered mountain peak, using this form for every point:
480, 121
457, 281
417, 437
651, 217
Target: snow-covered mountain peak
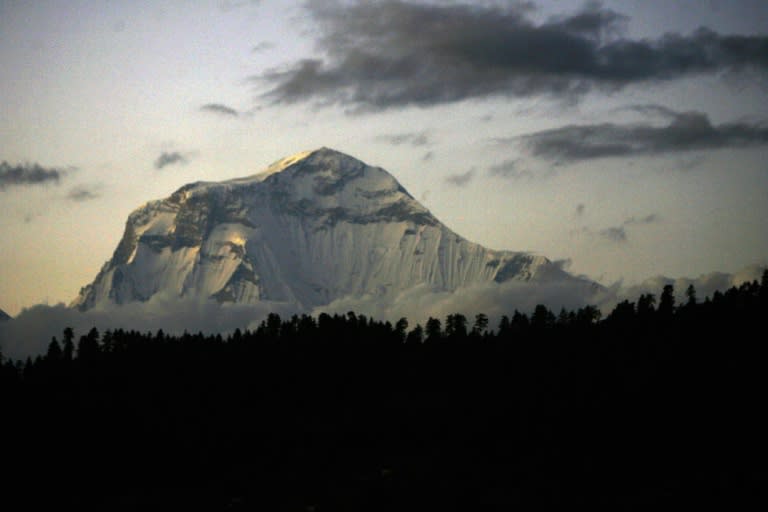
282, 164
310, 229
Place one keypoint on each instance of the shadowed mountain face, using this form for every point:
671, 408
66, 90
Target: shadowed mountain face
4, 316
310, 229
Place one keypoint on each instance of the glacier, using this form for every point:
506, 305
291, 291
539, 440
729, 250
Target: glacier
308, 230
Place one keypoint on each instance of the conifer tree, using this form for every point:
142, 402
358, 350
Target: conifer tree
481, 324
434, 330
505, 327
54, 350
667, 302
542, 317
401, 328
456, 325
690, 293
416, 336
69, 344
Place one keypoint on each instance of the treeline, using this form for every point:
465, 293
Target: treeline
657, 403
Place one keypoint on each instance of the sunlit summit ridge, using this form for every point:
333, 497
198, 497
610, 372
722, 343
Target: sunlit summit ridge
310, 229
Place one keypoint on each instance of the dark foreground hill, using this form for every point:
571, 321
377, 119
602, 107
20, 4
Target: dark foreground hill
656, 406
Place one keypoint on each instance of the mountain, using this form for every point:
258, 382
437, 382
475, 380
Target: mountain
311, 228
4, 316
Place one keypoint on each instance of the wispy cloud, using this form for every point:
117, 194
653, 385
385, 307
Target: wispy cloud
391, 54
615, 234
262, 47
461, 180
81, 193
169, 158
28, 174
685, 131
415, 139
509, 169
619, 233
218, 108
648, 219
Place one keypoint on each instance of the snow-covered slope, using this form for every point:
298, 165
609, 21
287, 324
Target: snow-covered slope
310, 229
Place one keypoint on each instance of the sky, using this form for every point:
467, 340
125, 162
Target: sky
627, 139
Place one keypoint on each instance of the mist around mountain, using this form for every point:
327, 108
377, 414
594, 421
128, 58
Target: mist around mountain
316, 232
29, 333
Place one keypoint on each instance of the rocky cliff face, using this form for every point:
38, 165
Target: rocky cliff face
311, 228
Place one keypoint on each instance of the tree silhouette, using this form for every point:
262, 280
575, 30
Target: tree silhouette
434, 330
54, 353
416, 336
690, 293
69, 344
401, 328
505, 326
481, 324
520, 321
456, 326
88, 346
336, 413
542, 318
645, 306
623, 315
588, 315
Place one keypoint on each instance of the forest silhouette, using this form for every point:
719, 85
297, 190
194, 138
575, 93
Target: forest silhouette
657, 404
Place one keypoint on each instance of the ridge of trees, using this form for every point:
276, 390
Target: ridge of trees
626, 315
655, 402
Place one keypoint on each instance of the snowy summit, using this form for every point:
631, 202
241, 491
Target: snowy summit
309, 229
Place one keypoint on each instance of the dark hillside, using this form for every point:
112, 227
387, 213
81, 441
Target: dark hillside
656, 405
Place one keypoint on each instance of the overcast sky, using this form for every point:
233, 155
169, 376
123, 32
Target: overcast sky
628, 137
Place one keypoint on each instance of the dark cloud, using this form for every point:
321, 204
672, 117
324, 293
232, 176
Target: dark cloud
619, 233
28, 174
461, 180
651, 110
615, 234
388, 54
171, 158
80, 194
648, 219
218, 108
686, 131
508, 169
415, 139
